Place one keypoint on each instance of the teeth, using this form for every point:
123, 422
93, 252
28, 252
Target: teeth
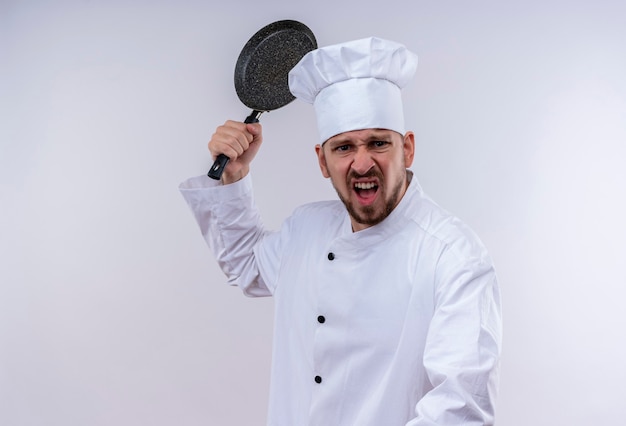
364, 185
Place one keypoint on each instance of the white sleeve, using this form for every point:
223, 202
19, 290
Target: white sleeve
463, 346
231, 226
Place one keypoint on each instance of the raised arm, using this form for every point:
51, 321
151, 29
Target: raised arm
225, 211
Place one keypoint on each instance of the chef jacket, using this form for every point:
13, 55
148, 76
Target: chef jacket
397, 324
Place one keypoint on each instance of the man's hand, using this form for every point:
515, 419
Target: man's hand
238, 141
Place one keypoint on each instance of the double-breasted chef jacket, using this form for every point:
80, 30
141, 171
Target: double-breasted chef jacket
397, 324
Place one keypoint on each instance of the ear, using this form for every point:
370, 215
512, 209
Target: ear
321, 158
409, 149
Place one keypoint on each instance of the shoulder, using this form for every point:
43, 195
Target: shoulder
325, 212
312, 221
456, 238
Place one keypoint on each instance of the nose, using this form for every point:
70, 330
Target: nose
362, 161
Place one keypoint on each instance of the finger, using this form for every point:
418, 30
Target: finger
231, 139
254, 129
237, 126
239, 131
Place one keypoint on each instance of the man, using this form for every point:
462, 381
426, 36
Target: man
387, 307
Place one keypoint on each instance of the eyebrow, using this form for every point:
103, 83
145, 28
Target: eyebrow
375, 135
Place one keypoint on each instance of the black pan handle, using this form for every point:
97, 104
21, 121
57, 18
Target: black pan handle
220, 162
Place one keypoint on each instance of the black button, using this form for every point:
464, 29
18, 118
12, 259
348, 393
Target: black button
318, 379
331, 256
321, 319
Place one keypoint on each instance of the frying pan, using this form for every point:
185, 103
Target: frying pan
262, 69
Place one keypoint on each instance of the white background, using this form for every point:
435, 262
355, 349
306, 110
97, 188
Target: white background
112, 311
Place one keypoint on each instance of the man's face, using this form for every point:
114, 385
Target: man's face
368, 170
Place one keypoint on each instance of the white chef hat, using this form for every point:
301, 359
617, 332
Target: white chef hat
355, 85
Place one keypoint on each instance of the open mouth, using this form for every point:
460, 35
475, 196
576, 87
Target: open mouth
366, 192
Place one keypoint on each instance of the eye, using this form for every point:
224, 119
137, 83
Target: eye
342, 148
379, 144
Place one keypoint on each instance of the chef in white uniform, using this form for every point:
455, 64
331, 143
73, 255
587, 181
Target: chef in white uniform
387, 308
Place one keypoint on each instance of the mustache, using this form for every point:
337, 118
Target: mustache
371, 173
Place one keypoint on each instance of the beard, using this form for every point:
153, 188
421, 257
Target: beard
375, 213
